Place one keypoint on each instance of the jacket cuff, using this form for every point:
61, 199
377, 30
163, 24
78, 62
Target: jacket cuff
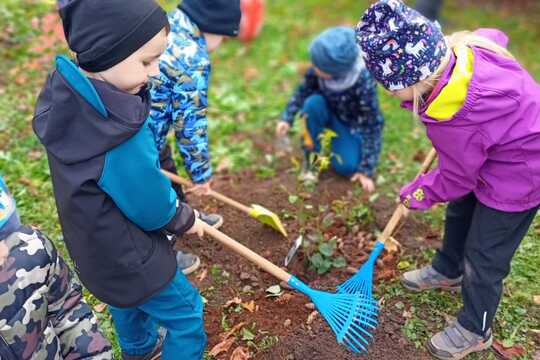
182, 221
412, 196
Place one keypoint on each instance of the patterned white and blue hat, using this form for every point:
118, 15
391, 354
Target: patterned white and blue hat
399, 45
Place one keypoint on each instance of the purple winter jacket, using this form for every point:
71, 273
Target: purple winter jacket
491, 146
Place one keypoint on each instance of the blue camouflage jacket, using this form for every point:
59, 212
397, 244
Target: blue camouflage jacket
356, 106
179, 95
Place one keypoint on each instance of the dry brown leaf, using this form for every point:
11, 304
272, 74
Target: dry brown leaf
231, 332
234, 301
249, 306
312, 317
202, 275
240, 353
222, 347
508, 353
284, 299
100, 307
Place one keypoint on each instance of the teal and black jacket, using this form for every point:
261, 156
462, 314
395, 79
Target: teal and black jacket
114, 204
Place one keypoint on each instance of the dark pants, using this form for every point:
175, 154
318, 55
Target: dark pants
167, 163
479, 243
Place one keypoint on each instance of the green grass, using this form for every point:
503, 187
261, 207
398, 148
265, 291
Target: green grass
249, 87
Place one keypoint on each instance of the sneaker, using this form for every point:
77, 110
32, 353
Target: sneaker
187, 262
155, 354
428, 278
213, 220
456, 342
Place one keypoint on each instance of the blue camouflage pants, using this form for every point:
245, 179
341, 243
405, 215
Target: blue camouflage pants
178, 308
346, 147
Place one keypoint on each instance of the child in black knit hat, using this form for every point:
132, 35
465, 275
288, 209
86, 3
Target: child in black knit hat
115, 206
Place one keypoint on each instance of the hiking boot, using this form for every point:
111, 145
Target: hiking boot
187, 262
155, 354
428, 278
456, 342
214, 220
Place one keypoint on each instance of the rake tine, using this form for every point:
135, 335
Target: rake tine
344, 313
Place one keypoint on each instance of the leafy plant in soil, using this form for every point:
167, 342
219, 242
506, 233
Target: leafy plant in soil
323, 254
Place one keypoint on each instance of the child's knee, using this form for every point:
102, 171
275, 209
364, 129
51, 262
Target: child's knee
314, 104
343, 167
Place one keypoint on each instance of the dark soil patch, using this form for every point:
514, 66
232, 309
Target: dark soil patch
286, 317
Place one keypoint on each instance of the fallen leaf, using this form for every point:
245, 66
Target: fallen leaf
284, 299
249, 306
100, 307
231, 332
240, 353
222, 347
34, 154
312, 317
508, 353
234, 301
202, 275
536, 299
274, 291
287, 323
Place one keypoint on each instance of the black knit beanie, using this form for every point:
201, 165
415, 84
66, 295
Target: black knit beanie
104, 33
220, 17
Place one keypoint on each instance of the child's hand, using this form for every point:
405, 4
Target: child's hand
282, 128
367, 183
197, 227
200, 189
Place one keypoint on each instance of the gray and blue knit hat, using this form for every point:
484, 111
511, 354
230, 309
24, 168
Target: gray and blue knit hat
334, 51
399, 45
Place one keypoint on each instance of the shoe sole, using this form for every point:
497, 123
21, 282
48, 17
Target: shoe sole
192, 268
442, 287
462, 354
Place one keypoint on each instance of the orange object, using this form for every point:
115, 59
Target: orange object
252, 19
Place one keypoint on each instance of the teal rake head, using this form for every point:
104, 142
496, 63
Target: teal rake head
351, 317
362, 282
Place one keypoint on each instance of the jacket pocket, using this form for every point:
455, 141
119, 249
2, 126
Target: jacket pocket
5, 351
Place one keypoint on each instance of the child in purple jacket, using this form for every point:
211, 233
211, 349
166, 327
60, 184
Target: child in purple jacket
481, 110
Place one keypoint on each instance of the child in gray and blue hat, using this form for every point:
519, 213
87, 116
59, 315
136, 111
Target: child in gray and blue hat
338, 93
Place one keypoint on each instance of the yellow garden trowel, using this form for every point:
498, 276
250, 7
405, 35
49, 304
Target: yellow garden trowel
258, 212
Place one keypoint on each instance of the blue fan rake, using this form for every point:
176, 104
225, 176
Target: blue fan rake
361, 283
351, 317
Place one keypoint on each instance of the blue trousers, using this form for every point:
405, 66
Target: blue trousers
178, 308
346, 147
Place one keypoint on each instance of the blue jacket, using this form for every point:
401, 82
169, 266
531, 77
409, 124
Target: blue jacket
356, 106
114, 204
180, 96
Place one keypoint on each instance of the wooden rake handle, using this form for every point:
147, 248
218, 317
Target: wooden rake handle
247, 253
179, 180
400, 209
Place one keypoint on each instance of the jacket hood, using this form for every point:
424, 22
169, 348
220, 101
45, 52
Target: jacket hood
72, 129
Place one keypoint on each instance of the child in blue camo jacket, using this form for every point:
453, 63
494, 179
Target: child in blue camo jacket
179, 94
